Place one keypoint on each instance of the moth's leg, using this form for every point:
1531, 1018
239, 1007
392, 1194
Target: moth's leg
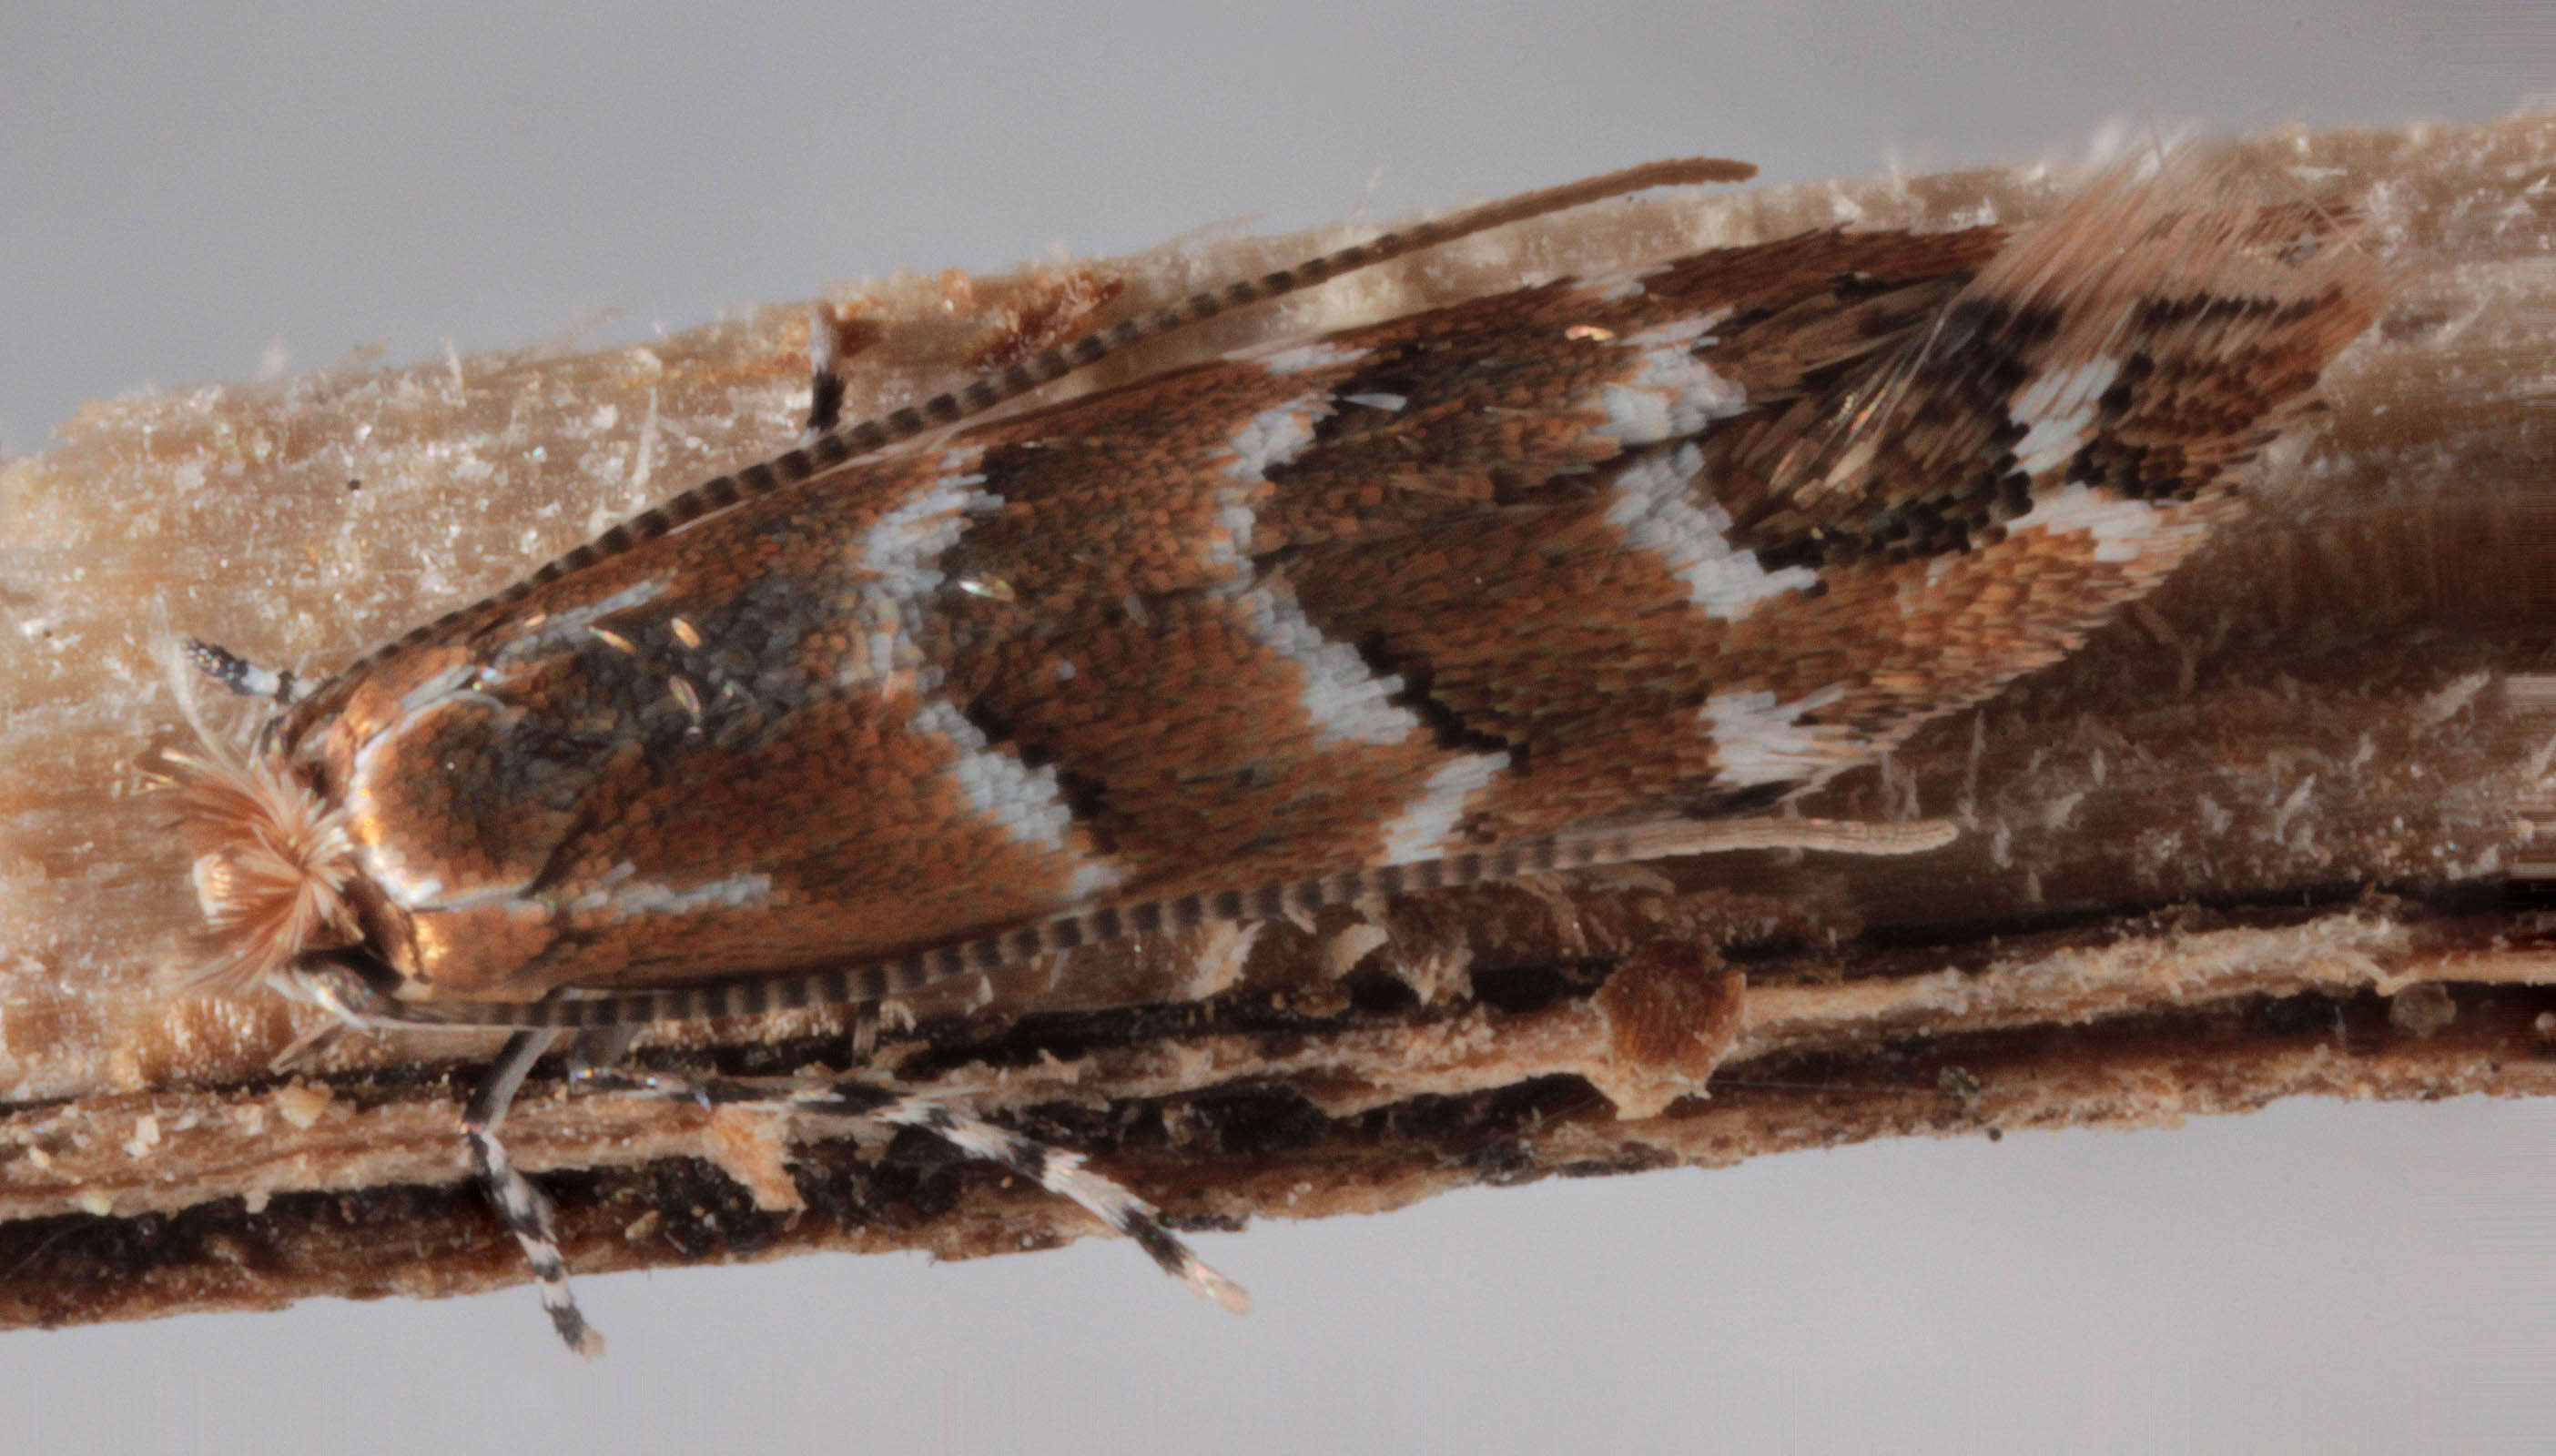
305, 1048
1068, 1175
824, 371
595, 1048
1062, 1172
238, 674
527, 1211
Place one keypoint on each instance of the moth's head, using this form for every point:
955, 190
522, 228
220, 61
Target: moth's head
274, 868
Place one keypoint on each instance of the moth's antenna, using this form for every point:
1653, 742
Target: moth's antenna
834, 447
1052, 365
873, 981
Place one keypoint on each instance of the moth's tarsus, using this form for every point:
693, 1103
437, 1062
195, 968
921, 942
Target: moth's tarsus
527, 1211
1059, 1171
824, 372
238, 674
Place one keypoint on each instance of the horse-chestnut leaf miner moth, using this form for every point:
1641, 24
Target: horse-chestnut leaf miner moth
1593, 570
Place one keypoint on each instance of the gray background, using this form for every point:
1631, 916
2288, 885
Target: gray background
190, 196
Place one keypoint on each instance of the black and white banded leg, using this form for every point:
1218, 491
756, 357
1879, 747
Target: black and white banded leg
238, 674
1065, 1174
527, 1211
824, 372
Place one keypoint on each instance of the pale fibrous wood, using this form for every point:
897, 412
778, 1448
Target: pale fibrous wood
2256, 839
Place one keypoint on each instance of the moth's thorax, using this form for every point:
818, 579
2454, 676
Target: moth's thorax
682, 763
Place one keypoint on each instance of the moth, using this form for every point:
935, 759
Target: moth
1592, 570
